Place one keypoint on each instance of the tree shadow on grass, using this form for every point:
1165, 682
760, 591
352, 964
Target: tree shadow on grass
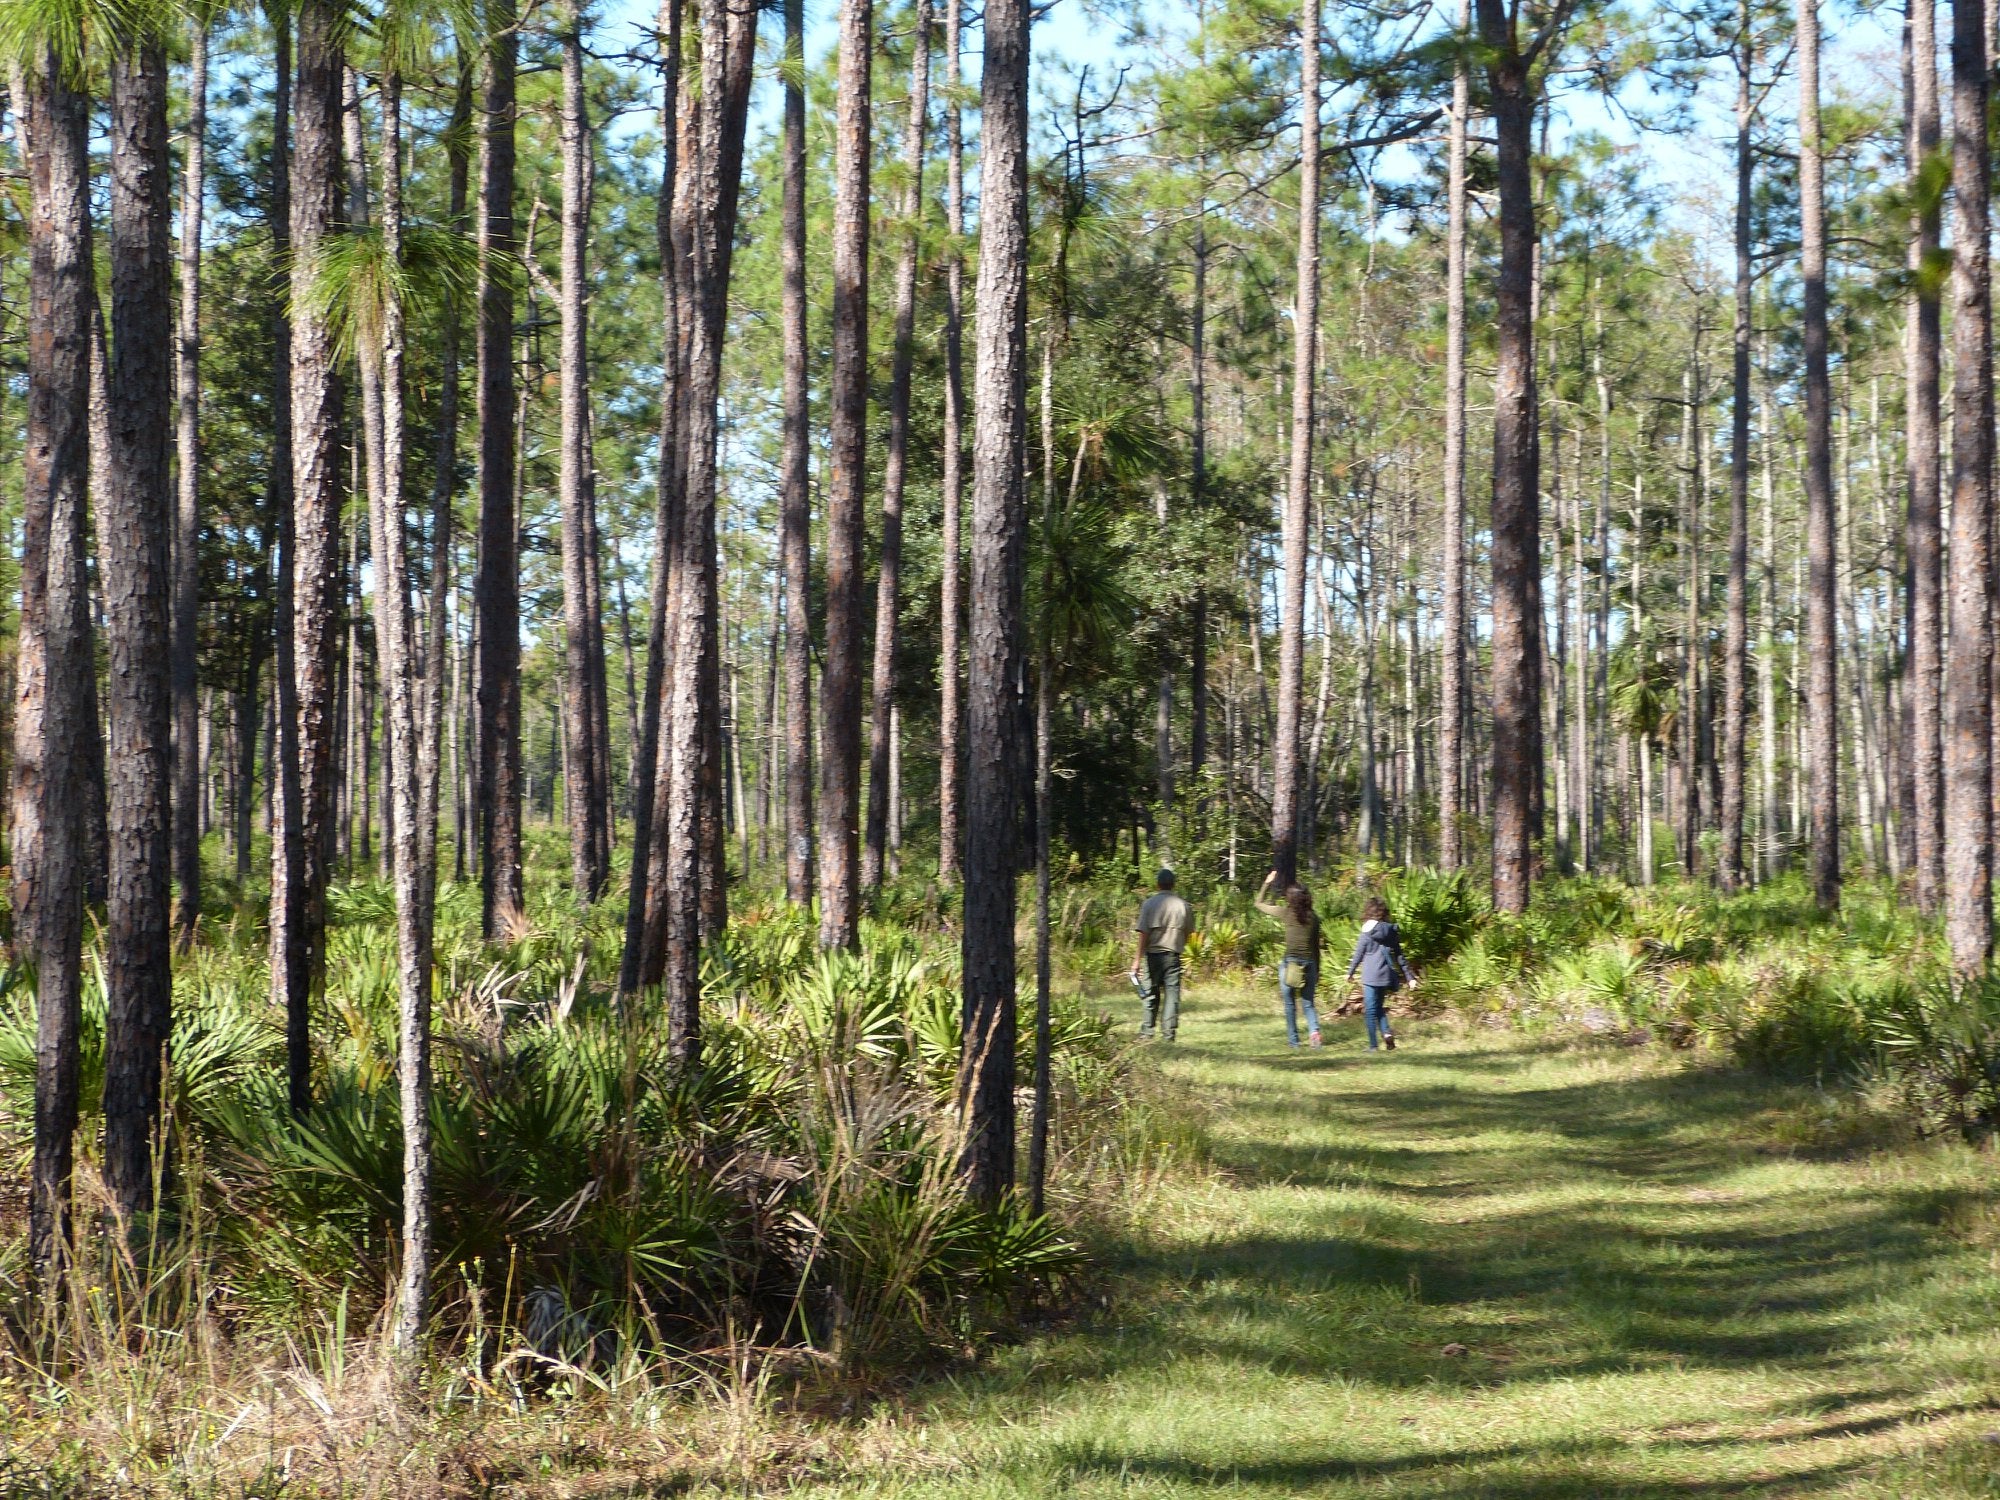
1638, 1255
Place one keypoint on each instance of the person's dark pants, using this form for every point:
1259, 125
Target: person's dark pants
1299, 997
1163, 998
1374, 1003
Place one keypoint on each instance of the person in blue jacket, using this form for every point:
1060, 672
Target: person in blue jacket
1378, 957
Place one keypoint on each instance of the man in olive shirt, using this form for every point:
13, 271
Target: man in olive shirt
1163, 928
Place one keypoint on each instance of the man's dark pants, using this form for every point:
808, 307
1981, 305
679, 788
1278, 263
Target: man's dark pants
1163, 999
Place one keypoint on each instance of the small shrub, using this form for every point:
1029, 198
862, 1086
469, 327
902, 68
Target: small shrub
1436, 912
1941, 1043
1801, 1027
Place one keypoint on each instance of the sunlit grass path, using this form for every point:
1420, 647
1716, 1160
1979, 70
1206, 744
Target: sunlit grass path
1475, 1268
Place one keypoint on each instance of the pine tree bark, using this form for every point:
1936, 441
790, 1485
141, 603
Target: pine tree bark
1516, 520
1968, 802
1286, 766
298, 926
634, 968
840, 684
1923, 538
30, 676
1767, 641
888, 599
291, 963
1687, 802
404, 817
1821, 642
55, 503
995, 660
135, 533
1736, 627
187, 514
795, 503
727, 48
1197, 501
951, 480
497, 584
1452, 696
444, 487
584, 770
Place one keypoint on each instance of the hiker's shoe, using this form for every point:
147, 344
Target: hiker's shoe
1389, 1042
1314, 1039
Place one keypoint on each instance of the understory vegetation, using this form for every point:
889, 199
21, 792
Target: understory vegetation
710, 1263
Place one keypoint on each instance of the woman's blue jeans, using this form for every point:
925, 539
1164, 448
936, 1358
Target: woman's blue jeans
1299, 996
1374, 999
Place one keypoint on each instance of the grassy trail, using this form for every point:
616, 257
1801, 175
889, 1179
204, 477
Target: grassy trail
1478, 1268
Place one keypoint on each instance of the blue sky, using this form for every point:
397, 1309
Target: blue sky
1693, 168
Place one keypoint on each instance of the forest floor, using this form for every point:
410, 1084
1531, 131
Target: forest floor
1484, 1266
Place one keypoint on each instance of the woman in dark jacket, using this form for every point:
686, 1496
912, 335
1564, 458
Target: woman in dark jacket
1378, 955
1298, 970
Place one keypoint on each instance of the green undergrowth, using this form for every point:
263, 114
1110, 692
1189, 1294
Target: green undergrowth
1665, 1194
1499, 1266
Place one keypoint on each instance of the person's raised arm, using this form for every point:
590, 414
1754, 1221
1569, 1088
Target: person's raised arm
1263, 899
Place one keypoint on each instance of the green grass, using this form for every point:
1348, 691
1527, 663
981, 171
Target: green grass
1669, 1278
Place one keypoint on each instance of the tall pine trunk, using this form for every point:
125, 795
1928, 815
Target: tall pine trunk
840, 686
693, 717
291, 968
135, 533
1822, 701
1516, 521
497, 584
187, 513
1923, 538
888, 600
444, 488
1197, 498
1286, 769
634, 968
995, 659
54, 503
795, 502
1452, 696
951, 482
585, 753
1968, 804
1736, 628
